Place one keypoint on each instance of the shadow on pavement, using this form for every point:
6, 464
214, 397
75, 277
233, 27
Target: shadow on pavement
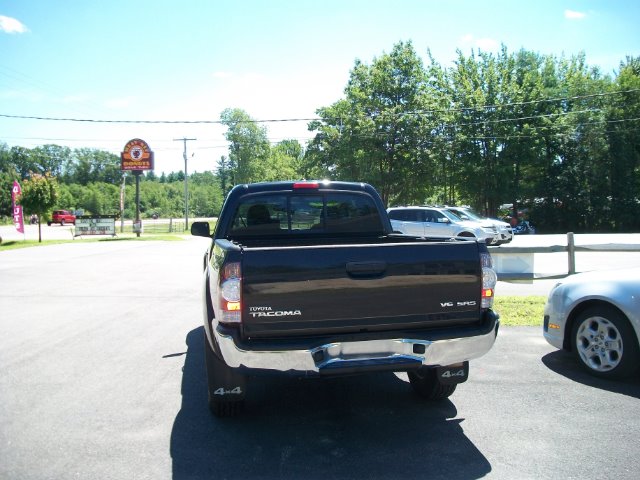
563, 363
352, 427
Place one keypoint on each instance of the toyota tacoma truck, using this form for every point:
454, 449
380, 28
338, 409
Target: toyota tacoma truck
309, 279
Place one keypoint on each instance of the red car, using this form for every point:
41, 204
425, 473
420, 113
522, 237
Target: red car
62, 217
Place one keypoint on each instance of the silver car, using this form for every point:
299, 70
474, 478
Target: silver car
437, 222
596, 316
505, 231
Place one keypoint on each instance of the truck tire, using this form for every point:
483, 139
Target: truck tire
426, 384
225, 387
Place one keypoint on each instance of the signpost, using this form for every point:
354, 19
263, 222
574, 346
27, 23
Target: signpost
95, 225
136, 157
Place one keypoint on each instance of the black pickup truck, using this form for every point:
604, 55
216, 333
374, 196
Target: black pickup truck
308, 278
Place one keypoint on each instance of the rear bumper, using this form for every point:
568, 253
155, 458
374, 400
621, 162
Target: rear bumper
358, 356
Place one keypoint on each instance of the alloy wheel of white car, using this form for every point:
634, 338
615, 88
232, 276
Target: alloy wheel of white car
604, 342
599, 344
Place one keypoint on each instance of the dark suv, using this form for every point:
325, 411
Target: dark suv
62, 217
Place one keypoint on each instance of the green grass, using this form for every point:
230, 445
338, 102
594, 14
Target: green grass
520, 311
15, 244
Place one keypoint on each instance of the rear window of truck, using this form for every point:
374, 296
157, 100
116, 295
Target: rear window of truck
318, 213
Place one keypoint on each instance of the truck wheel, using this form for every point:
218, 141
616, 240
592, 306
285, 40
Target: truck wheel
62, 222
426, 384
48, 224
604, 343
226, 387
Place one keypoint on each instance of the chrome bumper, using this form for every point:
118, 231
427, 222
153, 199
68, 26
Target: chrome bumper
401, 352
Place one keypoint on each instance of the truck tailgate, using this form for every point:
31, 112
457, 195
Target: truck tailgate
312, 290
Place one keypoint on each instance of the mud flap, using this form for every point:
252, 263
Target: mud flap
224, 383
453, 374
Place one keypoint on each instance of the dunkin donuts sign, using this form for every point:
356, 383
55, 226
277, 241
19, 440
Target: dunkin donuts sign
137, 156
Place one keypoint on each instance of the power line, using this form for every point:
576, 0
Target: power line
504, 120
552, 129
273, 141
531, 102
283, 120
519, 119
166, 122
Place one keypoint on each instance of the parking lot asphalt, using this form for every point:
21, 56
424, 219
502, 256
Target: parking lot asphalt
102, 377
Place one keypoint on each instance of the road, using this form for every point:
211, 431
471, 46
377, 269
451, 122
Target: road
102, 377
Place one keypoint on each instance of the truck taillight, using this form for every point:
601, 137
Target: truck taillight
230, 293
489, 280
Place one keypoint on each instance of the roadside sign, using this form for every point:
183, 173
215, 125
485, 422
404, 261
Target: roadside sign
95, 225
136, 156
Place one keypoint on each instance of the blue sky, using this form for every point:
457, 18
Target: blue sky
277, 59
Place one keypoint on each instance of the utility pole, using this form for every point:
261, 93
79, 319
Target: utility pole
124, 178
186, 189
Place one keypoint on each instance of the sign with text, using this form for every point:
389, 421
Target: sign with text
95, 225
136, 156
18, 218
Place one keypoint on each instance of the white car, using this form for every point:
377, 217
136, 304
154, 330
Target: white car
596, 315
437, 222
505, 231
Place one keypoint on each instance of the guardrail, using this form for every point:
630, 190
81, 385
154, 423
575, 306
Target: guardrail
522, 257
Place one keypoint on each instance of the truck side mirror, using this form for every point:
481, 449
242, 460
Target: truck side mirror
200, 229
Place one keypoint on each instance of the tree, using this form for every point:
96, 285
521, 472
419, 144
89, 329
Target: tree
51, 158
487, 93
284, 162
224, 175
22, 161
249, 147
377, 133
39, 194
93, 165
624, 147
574, 182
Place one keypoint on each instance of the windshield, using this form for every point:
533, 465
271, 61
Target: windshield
451, 216
470, 214
281, 214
